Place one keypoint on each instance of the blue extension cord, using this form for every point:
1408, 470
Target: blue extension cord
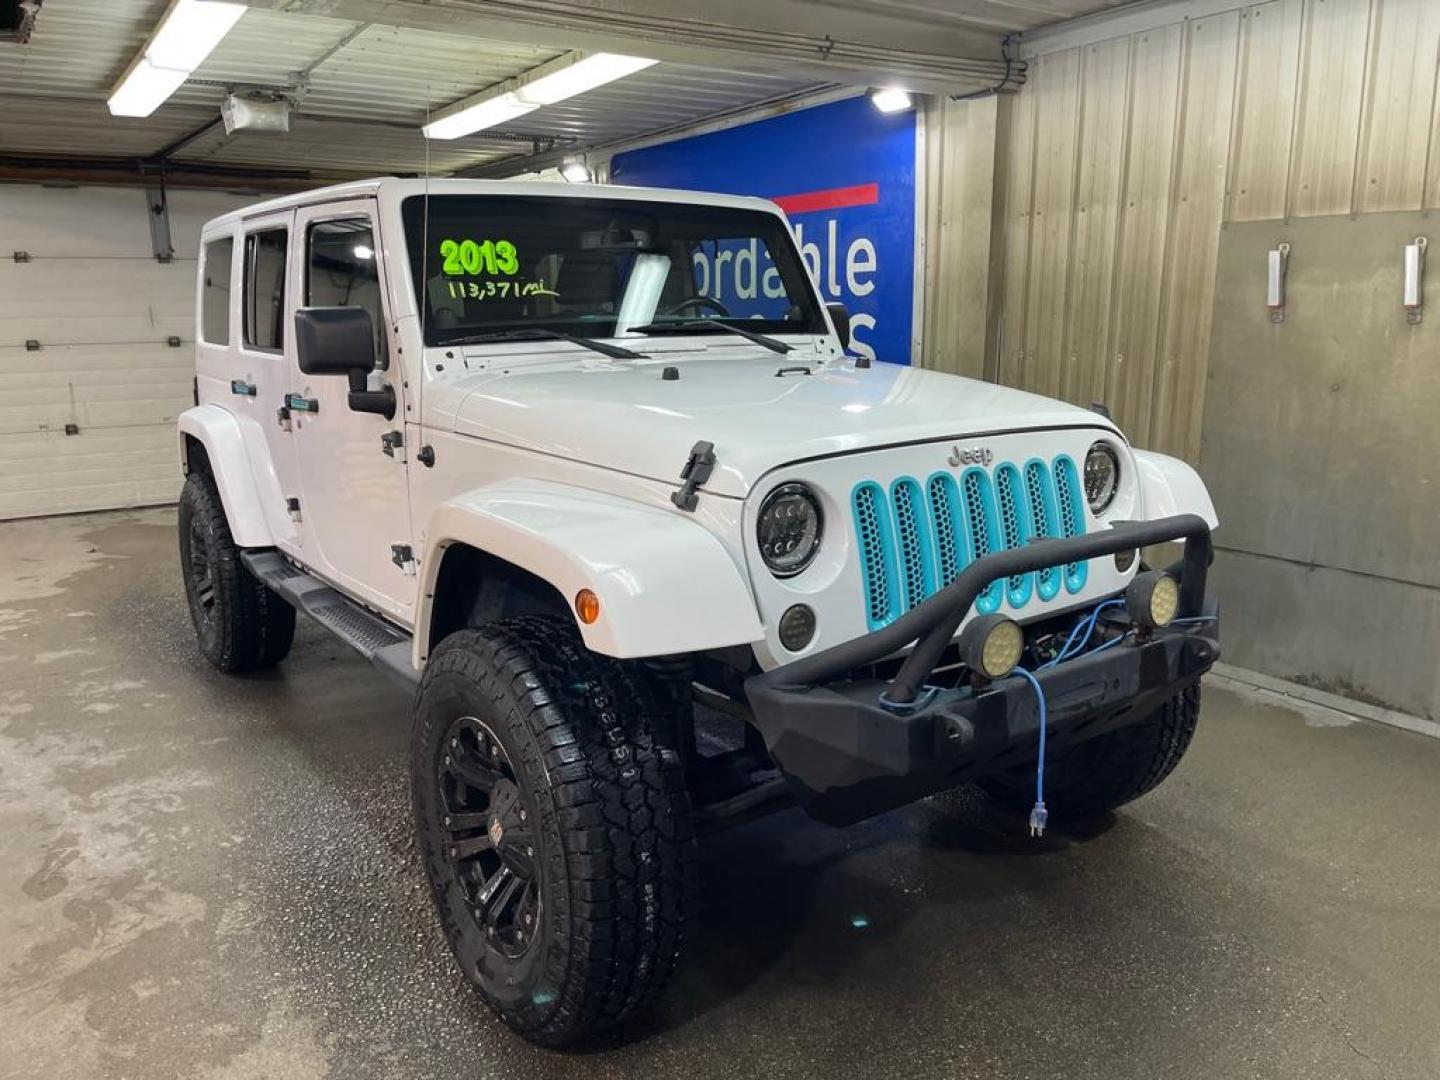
1038, 813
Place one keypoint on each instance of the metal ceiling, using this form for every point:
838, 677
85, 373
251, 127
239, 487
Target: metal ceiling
361, 89
361, 92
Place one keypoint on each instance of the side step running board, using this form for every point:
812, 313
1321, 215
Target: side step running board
371, 636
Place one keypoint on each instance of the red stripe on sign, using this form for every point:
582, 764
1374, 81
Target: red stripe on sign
830, 199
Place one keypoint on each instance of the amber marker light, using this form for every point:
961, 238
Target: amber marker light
587, 606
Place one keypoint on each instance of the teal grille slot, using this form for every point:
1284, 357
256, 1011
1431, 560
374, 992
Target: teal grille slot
978, 496
1015, 528
950, 555
1071, 513
876, 544
912, 535
1040, 496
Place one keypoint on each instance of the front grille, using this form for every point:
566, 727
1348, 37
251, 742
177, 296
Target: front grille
914, 539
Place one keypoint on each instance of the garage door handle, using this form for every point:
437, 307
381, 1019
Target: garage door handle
296, 403
241, 387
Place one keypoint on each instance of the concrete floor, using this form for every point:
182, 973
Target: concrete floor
204, 876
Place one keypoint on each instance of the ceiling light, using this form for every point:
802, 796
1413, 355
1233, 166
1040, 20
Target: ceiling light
548, 84
576, 172
477, 117
187, 34
891, 100
144, 87
586, 74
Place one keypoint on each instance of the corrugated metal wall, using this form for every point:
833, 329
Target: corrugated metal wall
1120, 160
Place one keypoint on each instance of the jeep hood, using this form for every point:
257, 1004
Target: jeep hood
627, 416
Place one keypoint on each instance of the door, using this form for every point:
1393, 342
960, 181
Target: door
257, 377
354, 507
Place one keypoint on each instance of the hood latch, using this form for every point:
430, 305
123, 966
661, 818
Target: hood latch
698, 467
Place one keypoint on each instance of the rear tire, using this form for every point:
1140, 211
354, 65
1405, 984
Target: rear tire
1106, 772
239, 623
554, 825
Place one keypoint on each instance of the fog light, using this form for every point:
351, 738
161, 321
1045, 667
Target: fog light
991, 645
1124, 560
1152, 599
797, 627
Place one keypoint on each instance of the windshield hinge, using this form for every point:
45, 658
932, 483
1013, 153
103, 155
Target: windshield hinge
403, 556
697, 470
392, 445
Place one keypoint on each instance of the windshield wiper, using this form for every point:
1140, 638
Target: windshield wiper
711, 324
539, 333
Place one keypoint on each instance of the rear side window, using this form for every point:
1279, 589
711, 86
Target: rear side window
340, 270
265, 289
215, 293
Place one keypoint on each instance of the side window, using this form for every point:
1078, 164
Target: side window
215, 294
340, 271
265, 290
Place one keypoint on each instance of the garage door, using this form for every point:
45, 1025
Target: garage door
96, 346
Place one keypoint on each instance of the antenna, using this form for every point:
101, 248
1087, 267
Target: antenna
422, 287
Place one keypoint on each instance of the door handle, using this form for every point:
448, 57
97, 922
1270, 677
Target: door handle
241, 387
296, 403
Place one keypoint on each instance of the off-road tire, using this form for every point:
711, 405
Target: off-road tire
239, 623
589, 748
1106, 772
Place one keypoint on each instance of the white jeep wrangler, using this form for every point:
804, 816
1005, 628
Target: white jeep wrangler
545, 457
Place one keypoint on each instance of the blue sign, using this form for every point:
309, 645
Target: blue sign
845, 176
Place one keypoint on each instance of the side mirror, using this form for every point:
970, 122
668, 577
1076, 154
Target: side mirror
334, 340
341, 341
841, 318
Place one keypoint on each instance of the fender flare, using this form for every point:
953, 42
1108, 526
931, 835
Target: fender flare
1169, 487
666, 584
219, 432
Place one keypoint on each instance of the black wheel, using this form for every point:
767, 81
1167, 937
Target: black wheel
1103, 773
554, 825
240, 624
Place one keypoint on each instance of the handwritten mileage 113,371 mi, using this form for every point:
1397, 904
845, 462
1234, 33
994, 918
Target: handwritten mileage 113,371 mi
491, 289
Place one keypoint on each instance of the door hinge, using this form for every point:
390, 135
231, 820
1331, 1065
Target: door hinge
282, 415
697, 470
392, 445
404, 557
292, 506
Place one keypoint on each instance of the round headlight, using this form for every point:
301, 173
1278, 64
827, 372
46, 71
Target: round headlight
1102, 476
789, 528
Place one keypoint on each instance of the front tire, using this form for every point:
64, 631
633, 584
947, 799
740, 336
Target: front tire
1103, 773
554, 825
240, 624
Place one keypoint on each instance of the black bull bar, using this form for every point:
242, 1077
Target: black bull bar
853, 747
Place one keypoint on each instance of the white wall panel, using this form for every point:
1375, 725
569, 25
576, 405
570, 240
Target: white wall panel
102, 309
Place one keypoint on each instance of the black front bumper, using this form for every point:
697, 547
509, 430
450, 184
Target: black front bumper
850, 748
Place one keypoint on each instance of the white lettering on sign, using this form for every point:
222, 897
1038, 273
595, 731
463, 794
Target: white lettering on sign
745, 271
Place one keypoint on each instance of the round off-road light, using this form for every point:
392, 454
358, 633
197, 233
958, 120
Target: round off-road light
990, 645
587, 606
1102, 476
1152, 599
797, 627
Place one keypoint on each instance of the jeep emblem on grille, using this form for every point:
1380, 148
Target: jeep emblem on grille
971, 455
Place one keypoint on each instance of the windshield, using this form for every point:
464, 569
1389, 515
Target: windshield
601, 267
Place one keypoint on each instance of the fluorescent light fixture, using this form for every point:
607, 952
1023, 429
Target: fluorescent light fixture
144, 87
576, 172
187, 34
595, 70
891, 100
546, 85
477, 117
